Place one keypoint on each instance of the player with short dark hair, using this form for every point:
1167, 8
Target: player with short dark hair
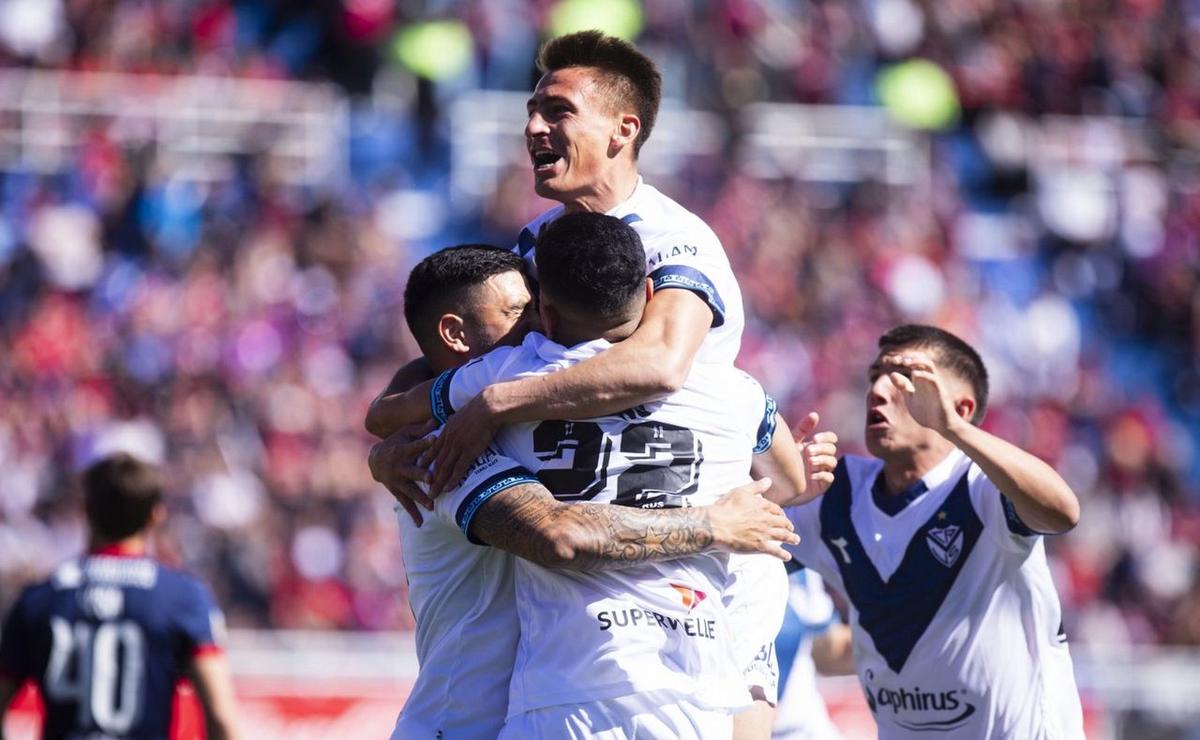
937, 544
108, 636
465, 275
954, 355
628, 77
593, 263
459, 302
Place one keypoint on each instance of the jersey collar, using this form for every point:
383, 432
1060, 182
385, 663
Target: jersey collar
625, 207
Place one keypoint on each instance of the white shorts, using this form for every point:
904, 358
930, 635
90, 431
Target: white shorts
650, 715
756, 600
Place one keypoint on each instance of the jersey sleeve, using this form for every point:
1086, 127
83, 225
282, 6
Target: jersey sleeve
490, 474
998, 513
14, 642
693, 260
200, 622
766, 425
454, 388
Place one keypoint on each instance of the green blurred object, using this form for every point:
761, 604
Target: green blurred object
435, 50
919, 94
620, 18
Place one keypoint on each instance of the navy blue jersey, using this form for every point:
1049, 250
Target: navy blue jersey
106, 638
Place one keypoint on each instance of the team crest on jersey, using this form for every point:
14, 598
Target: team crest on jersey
691, 597
946, 544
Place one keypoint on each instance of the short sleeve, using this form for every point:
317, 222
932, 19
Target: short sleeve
766, 426
200, 623
693, 261
998, 514
14, 642
454, 388
490, 474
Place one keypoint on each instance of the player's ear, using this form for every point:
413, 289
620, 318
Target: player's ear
965, 407
628, 128
452, 332
649, 289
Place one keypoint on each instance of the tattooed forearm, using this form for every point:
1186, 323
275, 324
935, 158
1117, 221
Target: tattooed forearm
528, 522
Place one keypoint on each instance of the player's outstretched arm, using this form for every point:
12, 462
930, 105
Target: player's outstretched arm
654, 361
529, 522
1042, 499
804, 463
214, 687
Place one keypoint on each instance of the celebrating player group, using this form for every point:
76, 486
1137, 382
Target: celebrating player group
587, 551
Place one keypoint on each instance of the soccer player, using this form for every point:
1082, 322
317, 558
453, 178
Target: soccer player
458, 303
812, 640
673, 453
937, 544
107, 637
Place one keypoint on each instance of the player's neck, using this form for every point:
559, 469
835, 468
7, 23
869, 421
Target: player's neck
903, 470
609, 191
129, 547
569, 333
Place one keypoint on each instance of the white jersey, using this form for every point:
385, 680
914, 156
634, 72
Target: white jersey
801, 714
657, 627
681, 252
957, 625
462, 595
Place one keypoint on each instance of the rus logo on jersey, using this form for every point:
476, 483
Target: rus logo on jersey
946, 544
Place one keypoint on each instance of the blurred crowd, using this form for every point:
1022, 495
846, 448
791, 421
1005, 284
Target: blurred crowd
235, 330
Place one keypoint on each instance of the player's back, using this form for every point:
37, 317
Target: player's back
107, 638
659, 626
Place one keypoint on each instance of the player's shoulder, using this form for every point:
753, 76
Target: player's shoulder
530, 231
657, 214
182, 587
35, 598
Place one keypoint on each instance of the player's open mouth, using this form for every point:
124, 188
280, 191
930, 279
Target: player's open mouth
544, 160
876, 419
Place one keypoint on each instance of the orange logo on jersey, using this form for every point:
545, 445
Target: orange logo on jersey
691, 597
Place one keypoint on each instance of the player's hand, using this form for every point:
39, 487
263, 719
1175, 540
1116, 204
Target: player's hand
922, 389
819, 452
463, 439
393, 463
745, 522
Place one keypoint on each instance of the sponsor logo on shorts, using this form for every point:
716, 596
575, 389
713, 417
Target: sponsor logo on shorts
917, 709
